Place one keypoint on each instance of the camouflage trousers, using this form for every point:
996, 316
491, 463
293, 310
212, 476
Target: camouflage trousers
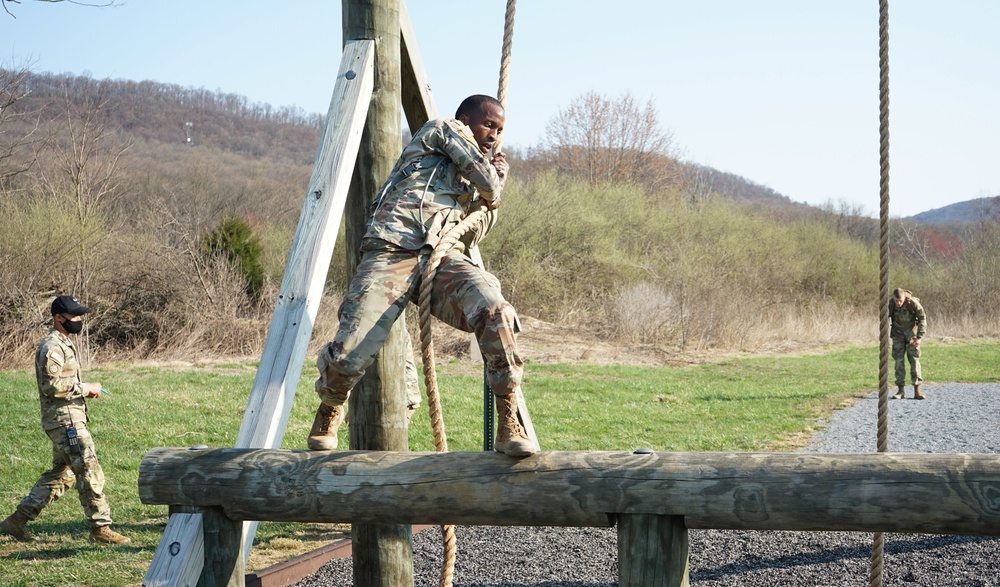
464, 296
67, 468
902, 351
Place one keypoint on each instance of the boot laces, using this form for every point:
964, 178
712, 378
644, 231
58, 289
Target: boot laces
510, 417
329, 416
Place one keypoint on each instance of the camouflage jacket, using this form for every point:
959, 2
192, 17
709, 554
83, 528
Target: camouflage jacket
59, 389
908, 320
439, 174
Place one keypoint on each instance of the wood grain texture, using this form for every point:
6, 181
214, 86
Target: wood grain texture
652, 550
382, 553
179, 558
416, 96
273, 390
889, 492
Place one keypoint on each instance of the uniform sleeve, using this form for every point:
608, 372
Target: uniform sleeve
52, 381
920, 319
456, 141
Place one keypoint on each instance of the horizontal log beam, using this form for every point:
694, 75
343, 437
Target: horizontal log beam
887, 492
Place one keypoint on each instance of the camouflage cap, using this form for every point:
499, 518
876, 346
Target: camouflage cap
68, 305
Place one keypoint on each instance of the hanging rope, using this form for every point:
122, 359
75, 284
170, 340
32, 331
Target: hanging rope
477, 221
508, 39
878, 541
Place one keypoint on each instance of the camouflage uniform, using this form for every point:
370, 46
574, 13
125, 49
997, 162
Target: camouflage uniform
908, 324
62, 404
439, 175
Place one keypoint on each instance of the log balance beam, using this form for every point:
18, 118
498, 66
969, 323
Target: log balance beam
886, 492
652, 498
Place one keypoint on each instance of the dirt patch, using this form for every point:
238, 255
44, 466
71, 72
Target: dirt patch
543, 342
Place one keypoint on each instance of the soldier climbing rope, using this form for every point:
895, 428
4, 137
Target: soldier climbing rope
476, 222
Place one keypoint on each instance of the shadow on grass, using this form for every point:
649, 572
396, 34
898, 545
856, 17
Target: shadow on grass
58, 540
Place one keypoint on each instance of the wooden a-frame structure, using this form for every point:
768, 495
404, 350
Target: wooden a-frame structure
360, 141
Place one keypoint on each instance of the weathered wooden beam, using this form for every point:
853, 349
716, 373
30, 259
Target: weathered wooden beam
277, 377
382, 553
416, 97
224, 564
180, 556
652, 550
890, 492
301, 289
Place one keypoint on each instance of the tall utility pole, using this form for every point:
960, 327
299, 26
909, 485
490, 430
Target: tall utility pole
382, 553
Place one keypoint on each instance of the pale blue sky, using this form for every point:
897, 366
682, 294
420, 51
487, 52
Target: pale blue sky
783, 92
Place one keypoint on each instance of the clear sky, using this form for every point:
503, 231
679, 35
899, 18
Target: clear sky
782, 92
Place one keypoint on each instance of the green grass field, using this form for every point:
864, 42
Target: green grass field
750, 404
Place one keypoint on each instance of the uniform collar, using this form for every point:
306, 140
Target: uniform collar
62, 337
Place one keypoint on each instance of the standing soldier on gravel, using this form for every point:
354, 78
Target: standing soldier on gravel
909, 324
64, 418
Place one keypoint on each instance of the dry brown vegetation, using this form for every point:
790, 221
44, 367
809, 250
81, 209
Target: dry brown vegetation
109, 193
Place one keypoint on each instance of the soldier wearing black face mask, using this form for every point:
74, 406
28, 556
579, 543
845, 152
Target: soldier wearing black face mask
64, 418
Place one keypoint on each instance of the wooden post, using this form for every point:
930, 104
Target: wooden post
382, 553
224, 566
652, 551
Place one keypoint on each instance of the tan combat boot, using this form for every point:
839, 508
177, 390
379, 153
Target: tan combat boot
916, 392
15, 526
511, 438
323, 435
106, 535
900, 394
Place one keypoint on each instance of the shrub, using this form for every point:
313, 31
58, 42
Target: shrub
234, 239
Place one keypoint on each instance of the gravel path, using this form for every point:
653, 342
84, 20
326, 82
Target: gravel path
953, 418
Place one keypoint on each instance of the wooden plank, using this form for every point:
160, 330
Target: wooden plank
312, 248
179, 558
415, 95
288, 335
889, 492
652, 550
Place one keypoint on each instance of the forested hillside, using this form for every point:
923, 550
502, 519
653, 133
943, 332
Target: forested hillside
171, 211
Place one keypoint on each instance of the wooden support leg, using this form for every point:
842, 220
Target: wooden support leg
525, 417
652, 551
224, 565
179, 558
383, 555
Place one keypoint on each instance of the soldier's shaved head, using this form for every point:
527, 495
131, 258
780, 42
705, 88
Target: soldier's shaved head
473, 103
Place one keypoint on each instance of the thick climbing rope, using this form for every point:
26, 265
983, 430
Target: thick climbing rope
878, 541
476, 221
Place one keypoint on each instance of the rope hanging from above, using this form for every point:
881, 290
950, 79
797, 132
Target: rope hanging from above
476, 221
878, 541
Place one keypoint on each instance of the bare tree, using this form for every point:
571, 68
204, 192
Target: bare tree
84, 170
6, 4
850, 219
912, 243
696, 183
602, 139
17, 129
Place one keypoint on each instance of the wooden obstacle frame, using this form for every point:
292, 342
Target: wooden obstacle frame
216, 496
652, 498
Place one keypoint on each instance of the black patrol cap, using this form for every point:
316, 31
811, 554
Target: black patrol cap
68, 305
